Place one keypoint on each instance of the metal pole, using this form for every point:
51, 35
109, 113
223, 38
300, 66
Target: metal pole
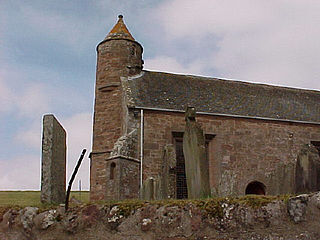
73, 177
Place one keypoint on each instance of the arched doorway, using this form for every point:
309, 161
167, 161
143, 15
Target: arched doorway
256, 187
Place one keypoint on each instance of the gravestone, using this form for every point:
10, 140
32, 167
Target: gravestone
168, 176
148, 189
307, 175
53, 162
151, 189
196, 163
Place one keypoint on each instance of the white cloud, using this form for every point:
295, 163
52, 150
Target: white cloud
32, 101
267, 41
26, 100
30, 136
20, 173
170, 64
5, 95
198, 18
64, 28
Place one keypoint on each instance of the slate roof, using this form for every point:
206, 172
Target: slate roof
217, 96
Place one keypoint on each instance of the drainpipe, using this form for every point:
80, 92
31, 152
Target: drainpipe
141, 147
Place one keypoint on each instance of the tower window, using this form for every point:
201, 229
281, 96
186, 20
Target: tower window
133, 51
112, 169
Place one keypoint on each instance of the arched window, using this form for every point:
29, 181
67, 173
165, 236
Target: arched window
112, 167
256, 187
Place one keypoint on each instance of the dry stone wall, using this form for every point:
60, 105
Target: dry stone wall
266, 218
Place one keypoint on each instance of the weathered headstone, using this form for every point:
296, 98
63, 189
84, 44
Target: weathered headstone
148, 189
151, 189
53, 165
196, 163
168, 176
308, 170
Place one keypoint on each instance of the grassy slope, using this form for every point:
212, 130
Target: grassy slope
32, 198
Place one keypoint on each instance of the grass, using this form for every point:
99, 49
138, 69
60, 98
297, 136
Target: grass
32, 198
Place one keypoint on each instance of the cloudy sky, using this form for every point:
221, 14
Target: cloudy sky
48, 60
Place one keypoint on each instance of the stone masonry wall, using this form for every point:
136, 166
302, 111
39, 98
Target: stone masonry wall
115, 58
113, 183
129, 179
123, 183
242, 151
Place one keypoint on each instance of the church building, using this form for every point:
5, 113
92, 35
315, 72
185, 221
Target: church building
259, 139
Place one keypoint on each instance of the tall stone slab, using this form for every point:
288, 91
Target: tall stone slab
307, 174
196, 163
168, 176
53, 165
151, 189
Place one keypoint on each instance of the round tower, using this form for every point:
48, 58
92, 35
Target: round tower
118, 55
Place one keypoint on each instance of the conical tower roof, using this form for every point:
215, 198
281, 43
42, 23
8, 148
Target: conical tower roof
119, 31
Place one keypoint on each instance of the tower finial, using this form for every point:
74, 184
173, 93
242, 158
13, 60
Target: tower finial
119, 31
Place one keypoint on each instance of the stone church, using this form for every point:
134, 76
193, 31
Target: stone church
259, 139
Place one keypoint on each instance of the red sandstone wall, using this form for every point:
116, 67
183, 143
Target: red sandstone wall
125, 181
243, 150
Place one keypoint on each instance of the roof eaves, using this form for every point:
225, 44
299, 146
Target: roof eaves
225, 115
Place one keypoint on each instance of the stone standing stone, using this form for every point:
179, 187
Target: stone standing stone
148, 190
307, 170
168, 178
151, 189
196, 163
53, 166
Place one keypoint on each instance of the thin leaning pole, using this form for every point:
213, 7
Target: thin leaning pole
73, 177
